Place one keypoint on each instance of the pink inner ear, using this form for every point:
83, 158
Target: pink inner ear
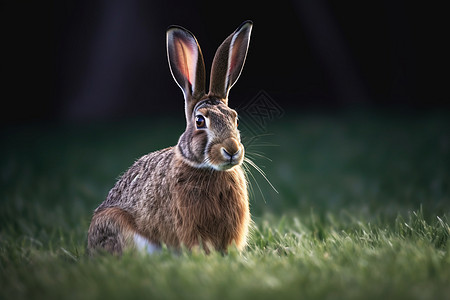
187, 54
236, 57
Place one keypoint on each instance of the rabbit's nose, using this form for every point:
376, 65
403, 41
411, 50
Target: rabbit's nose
230, 148
229, 156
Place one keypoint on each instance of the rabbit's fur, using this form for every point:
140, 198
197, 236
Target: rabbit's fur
195, 193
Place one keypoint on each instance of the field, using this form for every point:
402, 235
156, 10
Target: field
362, 212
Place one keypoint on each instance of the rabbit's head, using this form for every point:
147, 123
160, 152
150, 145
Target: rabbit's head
211, 138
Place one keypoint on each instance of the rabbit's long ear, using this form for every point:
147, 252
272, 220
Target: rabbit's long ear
186, 64
229, 61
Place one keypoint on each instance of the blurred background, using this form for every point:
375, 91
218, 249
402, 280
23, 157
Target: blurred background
344, 104
106, 60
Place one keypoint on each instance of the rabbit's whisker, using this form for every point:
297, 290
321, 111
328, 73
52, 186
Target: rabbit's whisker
257, 184
247, 179
260, 171
258, 154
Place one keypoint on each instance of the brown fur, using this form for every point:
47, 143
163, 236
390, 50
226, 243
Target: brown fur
184, 206
111, 229
194, 193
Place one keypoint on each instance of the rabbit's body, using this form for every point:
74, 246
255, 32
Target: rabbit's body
187, 205
195, 193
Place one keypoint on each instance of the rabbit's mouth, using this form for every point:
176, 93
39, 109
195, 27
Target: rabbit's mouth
227, 165
226, 155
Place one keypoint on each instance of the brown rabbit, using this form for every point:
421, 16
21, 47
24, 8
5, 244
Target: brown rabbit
195, 193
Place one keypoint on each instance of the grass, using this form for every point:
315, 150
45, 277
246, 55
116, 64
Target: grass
362, 212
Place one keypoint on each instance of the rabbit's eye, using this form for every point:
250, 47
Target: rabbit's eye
237, 122
200, 121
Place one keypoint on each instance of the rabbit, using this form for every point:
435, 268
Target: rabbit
193, 194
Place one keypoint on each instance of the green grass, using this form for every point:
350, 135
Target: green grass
362, 213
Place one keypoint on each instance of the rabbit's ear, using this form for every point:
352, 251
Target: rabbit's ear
186, 63
229, 61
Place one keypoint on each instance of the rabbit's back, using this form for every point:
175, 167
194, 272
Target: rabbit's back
143, 191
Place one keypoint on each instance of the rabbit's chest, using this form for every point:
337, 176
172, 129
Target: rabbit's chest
212, 207
220, 206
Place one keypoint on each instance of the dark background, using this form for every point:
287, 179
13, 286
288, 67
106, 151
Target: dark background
80, 61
